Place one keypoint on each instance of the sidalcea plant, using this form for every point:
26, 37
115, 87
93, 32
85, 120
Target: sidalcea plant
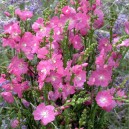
60, 75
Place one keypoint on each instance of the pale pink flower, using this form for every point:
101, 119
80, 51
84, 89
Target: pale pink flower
100, 77
104, 99
124, 43
44, 113
79, 79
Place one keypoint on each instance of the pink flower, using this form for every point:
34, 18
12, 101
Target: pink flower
124, 43
61, 91
79, 79
7, 14
44, 113
98, 23
57, 63
54, 78
7, 97
98, 2
14, 123
104, 99
25, 103
12, 29
100, 77
82, 21
18, 67
71, 20
42, 52
23, 15
127, 27
10, 42
20, 88
121, 94
37, 25
43, 68
77, 42
57, 34
40, 29
84, 6
100, 59
68, 10
29, 44
104, 44
67, 90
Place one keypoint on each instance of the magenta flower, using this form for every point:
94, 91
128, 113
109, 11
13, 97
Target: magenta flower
100, 59
98, 23
23, 15
44, 113
67, 10
20, 88
121, 94
37, 25
127, 27
80, 22
12, 29
43, 68
104, 44
8, 97
77, 42
18, 67
54, 78
42, 52
9, 42
14, 123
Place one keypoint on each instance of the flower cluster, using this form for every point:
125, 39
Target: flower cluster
58, 64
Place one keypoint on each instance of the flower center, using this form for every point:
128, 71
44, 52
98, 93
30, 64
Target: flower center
44, 71
101, 77
53, 78
103, 100
24, 45
79, 78
45, 114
